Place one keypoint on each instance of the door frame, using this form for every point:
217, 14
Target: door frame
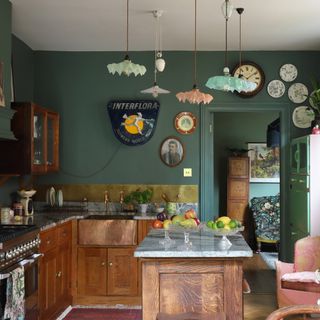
207, 154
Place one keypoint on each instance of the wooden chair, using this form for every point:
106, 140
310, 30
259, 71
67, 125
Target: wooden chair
192, 316
294, 310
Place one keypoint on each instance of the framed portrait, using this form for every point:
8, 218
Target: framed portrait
2, 100
171, 151
264, 163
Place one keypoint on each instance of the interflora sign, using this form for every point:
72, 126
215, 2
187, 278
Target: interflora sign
133, 121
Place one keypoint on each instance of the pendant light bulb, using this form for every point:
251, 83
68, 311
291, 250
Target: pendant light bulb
227, 9
160, 62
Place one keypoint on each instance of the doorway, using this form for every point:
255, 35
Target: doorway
208, 197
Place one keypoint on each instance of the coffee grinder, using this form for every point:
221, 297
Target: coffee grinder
26, 201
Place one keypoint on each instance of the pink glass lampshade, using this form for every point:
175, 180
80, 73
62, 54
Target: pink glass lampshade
194, 96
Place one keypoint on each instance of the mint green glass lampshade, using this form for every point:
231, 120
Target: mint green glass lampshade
126, 67
229, 83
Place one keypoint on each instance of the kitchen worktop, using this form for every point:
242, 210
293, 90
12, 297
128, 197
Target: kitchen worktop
46, 220
204, 244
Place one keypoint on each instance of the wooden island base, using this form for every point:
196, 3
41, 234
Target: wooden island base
177, 285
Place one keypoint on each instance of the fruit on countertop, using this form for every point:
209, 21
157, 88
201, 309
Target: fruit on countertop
188, 223
224, 223
177, 219
167, 223
157, 224
162, 216
191, 213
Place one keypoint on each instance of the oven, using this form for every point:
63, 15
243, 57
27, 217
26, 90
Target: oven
20, 249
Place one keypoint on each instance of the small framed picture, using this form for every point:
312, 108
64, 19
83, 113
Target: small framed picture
171, 151
264, 163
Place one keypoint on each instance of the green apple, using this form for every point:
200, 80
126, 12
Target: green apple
188, 223
177, 219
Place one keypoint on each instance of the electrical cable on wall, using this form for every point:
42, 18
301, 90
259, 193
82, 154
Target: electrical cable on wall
95, 172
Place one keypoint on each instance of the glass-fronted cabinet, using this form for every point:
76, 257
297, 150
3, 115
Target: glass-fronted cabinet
36, 150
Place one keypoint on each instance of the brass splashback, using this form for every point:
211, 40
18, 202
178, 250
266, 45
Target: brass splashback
95, 192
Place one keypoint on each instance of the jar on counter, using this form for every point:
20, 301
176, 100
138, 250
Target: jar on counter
5, 215
18, 209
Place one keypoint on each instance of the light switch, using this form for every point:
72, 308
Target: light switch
187, 172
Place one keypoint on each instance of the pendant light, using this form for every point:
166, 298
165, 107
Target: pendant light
226, 82
194, 96
155, 90
126, 67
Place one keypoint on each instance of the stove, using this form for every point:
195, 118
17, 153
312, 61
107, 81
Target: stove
17, 242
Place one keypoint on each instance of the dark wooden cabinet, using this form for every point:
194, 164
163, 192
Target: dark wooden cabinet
238, 188
107, 271
144, 226
36, 150
55, 271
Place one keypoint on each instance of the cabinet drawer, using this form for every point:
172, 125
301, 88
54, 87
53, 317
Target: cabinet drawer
65, 232
49, 239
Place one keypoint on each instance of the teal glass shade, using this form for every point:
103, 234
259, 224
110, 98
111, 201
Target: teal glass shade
229, 83
126, 67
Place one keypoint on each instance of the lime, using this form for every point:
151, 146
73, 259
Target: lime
210, 223
220, 224
233, 224
214, 226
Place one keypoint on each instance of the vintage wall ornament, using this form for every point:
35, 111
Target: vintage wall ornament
133, 121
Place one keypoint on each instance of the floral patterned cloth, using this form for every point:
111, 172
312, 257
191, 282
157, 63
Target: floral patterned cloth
266, 215
14, 309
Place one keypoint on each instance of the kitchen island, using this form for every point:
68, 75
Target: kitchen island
202, 277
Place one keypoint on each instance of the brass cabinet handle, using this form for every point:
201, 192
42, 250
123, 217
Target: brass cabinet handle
110, 264
103, 264
58, 274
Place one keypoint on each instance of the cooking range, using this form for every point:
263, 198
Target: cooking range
19, 247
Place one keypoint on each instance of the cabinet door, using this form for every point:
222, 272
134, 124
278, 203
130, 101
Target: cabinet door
239, 167
39, 139
52, 141
144, 226
122, 272
299, 155
48, 291
92, 280
64, 274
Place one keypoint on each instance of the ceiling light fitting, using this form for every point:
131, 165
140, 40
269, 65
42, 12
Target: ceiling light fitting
126, 67
159, 63
227, 82
194, 96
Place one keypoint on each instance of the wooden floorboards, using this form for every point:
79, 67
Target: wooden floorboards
262, 300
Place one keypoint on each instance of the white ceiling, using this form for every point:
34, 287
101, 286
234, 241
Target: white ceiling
100, 25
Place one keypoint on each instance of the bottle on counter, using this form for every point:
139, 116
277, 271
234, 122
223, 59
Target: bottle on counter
18, 210
5, 215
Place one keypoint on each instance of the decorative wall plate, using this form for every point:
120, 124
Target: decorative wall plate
185, 122
302, 117
298, 92
288, 72
276, 88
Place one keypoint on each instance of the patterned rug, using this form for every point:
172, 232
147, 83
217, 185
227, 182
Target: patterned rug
105, 314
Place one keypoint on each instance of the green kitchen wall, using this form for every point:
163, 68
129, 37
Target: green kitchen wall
234, 131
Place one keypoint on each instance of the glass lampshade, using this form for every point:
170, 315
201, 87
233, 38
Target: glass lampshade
229, 83
155, 90
126, 67
227, 9
194, 96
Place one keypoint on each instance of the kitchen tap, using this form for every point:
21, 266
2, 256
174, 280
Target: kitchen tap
121, 200
107, 200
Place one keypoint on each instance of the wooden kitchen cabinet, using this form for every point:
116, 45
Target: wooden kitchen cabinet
36, 150
144, 226
107, 271
55, 271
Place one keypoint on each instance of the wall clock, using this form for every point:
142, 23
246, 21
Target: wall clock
252, 72
288, 72
276, 88
298, 93
185, 122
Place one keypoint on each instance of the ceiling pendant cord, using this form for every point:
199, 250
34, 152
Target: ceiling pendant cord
240, 11
226, 39
127, 55
195, 47
155, 51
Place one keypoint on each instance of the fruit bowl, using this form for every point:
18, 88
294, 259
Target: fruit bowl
224, 243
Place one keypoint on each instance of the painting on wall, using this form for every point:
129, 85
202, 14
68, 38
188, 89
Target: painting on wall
171, 151
264, 163
2, 100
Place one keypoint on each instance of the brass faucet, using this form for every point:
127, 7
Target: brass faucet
121, 200
107, 200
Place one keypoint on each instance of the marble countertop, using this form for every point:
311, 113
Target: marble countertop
204, 244
46, 220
